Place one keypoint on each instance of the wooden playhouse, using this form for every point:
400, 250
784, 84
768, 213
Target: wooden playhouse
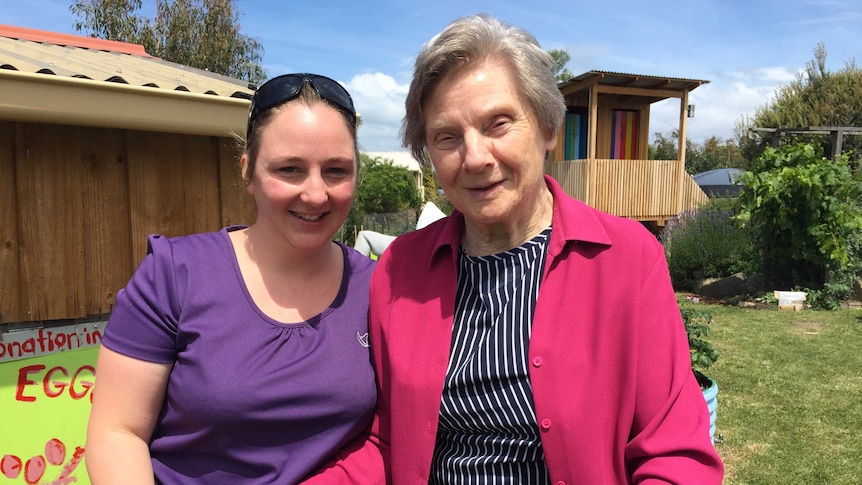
602, 149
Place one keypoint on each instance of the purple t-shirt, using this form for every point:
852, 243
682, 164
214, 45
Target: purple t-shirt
250, 399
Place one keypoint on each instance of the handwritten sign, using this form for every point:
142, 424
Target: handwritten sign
22, 344
46, 403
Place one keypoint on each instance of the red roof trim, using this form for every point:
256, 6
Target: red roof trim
46, 37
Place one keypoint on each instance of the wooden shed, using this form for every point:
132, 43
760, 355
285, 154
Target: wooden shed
101, 145
601, 156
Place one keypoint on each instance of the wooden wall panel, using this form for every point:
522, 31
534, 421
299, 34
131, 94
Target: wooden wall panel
644, 135
48, 171
237, 206
559, 152
201, 209
156, 196
108, 249
604, 117
10, 310
76, 205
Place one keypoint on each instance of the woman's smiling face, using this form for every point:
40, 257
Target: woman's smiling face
305, 174
487, 147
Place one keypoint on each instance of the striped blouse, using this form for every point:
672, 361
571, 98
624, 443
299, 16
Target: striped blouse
488, 432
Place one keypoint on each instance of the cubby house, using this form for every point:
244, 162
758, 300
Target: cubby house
102, 144
601, 156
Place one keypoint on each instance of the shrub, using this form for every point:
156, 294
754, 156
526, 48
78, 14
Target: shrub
707, 242
703, 354
805, 214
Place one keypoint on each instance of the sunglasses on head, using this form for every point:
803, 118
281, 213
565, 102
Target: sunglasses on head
283, 88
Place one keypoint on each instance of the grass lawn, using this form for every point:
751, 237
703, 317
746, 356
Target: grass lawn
790, 395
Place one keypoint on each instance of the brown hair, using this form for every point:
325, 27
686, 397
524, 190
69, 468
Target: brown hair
250, 146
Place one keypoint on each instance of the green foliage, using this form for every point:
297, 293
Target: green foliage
699, 157
665, 146
696, 322
383, 188
805, 214
561, 58
111, 20
817, 97
433, 192
197, 33
707, 242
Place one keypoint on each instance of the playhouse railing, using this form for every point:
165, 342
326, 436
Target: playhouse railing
646, 190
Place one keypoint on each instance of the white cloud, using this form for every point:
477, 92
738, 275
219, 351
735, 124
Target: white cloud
721, 104
764, 74
379, 99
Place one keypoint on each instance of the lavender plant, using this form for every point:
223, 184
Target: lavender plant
707, 242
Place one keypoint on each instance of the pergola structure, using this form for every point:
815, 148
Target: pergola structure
836, 132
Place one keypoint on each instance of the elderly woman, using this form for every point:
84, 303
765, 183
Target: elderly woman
527, 338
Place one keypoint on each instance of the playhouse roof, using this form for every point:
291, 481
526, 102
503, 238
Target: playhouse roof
655, 87
68, 79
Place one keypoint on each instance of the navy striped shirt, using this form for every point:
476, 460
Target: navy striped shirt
488, 432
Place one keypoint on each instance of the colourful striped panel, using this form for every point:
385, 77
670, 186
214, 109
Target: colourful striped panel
624, 135
576, 136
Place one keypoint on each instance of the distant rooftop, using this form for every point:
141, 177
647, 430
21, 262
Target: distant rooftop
401, 159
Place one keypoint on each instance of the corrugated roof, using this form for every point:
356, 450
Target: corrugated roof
49, 77
625, 80
35, 51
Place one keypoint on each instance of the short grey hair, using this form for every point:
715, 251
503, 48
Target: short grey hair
468, 42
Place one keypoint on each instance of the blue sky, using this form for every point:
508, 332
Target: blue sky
745, 48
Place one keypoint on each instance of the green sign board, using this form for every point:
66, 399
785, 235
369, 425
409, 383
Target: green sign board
45, 402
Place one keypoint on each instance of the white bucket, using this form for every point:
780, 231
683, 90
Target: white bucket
790, 300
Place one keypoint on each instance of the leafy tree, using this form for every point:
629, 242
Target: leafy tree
561, 58
817, 97
665, 146
112, 20
384, 188
805, 213
197, 33
699, 157
714, 153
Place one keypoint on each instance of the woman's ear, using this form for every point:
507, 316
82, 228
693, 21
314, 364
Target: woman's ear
244, 171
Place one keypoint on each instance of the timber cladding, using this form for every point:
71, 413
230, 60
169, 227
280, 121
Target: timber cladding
77, 203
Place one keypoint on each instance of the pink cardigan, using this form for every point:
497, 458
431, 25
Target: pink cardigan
615, 398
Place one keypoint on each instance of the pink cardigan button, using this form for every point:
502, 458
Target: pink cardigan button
537, 362
546, 424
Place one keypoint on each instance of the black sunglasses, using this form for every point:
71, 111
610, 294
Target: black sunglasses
283, 88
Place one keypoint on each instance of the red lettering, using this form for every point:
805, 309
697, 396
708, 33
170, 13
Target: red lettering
24, 381
57, 387
86, 385
61, 340
28, 346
